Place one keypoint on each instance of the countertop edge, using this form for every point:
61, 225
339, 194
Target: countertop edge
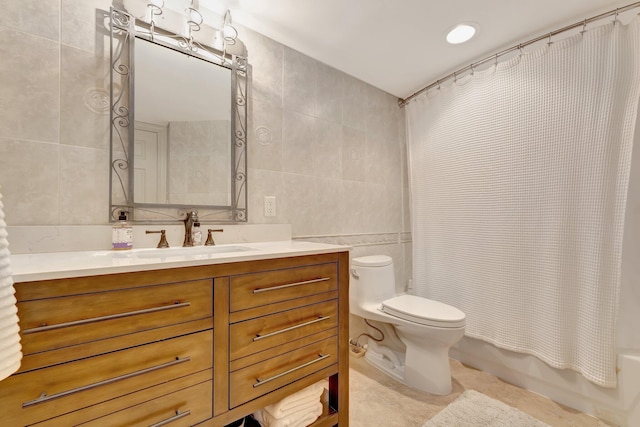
282, 251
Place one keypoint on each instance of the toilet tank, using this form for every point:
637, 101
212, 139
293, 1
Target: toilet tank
372, 281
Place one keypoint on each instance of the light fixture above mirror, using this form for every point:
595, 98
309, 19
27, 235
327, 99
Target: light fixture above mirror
200, 28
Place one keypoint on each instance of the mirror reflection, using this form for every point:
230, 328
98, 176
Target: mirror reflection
182, 130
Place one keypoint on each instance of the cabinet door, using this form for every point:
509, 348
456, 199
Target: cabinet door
46, 393
265, 332
49, 324
258, 289
271, 374
183, 408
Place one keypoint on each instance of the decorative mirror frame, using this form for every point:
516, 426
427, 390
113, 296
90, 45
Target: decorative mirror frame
124, 29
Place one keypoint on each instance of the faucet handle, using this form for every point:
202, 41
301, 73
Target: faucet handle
163, 238
210, 241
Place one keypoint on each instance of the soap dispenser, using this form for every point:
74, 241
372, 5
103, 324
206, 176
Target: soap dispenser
122, 233
196, 234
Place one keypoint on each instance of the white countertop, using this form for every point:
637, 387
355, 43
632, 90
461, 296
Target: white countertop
59, 265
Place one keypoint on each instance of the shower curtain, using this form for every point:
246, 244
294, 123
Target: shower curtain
519, 178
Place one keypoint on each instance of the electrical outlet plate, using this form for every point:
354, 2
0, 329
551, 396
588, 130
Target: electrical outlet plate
269, 205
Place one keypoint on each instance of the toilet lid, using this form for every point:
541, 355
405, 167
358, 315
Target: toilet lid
424, 311
371, 261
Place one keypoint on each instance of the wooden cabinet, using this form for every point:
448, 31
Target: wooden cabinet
303, 310
261, 333
185, 407
272, 373
201, 345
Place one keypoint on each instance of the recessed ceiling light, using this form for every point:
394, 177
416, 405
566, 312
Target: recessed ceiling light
461, 33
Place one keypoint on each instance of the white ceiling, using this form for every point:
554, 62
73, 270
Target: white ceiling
398, 45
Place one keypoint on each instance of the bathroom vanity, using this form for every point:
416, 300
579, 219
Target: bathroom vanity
178, 338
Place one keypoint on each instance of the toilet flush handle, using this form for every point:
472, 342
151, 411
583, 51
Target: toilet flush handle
354, 273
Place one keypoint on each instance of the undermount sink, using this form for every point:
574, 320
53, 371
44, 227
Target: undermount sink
189, 251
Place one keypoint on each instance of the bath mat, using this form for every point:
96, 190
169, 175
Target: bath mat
474, 409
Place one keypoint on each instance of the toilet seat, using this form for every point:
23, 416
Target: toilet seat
424, 311
371, 261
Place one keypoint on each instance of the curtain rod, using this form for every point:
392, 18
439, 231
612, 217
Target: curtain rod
495, 56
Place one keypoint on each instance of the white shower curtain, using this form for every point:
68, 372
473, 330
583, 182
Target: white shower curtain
519, 179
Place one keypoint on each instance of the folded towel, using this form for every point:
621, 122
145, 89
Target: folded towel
310, 394
301, 418
295, 406
310, 418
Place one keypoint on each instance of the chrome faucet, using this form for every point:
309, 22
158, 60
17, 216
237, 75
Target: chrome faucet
192, 217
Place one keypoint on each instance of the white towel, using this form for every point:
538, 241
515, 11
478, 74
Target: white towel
297, 401
310, 417
301, 418
10, 349
297, 406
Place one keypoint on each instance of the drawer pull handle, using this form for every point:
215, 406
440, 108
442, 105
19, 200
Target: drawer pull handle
289, 285
259, 337
102, 318
176, 417
45, 398
304, 365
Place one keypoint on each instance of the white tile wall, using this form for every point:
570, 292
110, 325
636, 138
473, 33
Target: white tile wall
328, 146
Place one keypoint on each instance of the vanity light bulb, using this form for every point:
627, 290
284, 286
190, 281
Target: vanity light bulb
154, 9
230, 34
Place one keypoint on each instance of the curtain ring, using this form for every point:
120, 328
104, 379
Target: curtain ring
520, 49
438, 84
472, 70
495, 61
455, 77
615, 17
584, 28
549, 43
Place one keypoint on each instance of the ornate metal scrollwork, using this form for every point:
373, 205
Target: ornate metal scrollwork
124, 29
121, 26
240, 144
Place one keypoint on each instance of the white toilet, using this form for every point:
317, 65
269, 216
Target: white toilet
428, 328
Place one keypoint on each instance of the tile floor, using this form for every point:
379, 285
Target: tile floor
378, 400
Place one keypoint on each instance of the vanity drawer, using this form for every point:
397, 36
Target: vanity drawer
57, 390
252, 336
186, 407
48, 324
268, 287
264, 377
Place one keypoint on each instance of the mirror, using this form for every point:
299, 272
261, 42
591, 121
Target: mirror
178, 126
182, 132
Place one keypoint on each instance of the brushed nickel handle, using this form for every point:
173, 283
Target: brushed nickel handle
259, 337
289, 285
45, 398
176, 417
102, 318
304, 365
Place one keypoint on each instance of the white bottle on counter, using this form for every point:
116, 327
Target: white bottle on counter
196, 234
122, 233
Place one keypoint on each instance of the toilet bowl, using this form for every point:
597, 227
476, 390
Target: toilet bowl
428, 328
